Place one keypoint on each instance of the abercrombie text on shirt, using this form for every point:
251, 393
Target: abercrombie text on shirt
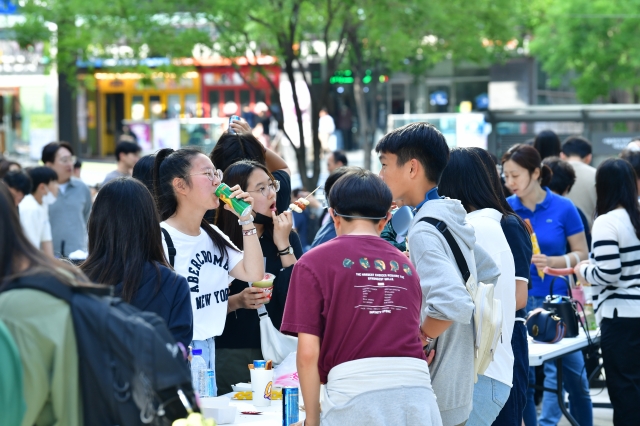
207, 273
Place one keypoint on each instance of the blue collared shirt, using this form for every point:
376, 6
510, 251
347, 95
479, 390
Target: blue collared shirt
553, 221
431, 195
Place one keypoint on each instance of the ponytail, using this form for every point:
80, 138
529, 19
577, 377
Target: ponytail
545, 175
172, 164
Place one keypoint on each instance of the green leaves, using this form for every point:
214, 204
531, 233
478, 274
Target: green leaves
595, 40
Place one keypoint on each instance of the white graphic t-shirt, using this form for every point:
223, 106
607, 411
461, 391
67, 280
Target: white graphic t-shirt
199, 261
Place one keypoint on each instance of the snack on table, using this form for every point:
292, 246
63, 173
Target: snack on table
299, 205
244, 395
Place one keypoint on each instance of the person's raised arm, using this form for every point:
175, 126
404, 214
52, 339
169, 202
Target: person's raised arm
272, 160
251, 267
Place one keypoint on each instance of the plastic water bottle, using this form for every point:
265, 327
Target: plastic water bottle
198, 366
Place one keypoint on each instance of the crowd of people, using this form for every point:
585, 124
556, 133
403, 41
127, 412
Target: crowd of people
383, 321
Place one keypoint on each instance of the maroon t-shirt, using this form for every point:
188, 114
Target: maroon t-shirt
361, 296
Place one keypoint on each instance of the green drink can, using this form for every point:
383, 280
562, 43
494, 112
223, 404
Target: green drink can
240, 206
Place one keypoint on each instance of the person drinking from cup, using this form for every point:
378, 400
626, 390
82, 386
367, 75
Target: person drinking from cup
185, 182
240, 342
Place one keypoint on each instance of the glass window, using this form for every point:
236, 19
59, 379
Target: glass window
174, 106
137, 108
214, 103
229, 96
156, 110
190, 105
245, 98
260, 96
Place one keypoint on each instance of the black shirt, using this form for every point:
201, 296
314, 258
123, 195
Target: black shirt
242, 328
520, 244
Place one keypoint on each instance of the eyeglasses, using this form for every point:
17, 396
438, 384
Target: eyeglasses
273, 185
68, 159
211, 174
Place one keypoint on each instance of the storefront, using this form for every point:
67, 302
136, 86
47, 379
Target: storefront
129, 96
27, 101
227, 90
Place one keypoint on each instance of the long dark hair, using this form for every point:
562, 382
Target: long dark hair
490, 164
616, 186
143, 171
466, 178
238, 174
528, 158
232, 148
124, 235
547, 143
16, 251
172, 164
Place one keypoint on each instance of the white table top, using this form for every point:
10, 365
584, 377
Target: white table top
271, 415
541, 352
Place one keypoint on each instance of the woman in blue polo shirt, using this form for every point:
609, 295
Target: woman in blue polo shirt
556, 221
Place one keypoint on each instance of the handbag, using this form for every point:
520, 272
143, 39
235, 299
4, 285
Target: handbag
545, 327
274, 345
563, 307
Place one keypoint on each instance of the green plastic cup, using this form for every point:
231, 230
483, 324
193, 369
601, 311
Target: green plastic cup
240, 206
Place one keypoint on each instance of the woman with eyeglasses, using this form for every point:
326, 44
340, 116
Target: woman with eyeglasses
239, 344
185, 182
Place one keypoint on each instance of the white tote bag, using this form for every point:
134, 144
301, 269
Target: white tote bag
275, 345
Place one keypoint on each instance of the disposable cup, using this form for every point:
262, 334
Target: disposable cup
261, 382
266, 284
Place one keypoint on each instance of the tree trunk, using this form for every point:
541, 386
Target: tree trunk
301, 151
363, 122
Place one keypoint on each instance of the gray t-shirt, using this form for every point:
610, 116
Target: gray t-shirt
113, 175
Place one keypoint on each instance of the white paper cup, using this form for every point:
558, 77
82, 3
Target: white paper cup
261, 382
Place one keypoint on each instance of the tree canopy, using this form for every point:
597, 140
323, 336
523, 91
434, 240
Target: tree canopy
595, 40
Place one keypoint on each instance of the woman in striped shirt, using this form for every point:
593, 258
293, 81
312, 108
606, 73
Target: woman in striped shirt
614, 273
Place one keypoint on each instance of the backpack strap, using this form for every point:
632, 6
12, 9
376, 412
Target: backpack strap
453, 244
170, 247
47, 284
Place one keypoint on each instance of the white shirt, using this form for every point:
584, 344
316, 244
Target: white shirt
199, 261
63, 187
613, 269
326, 125
490, 237
34, 218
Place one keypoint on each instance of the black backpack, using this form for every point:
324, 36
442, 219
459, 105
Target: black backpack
131, 369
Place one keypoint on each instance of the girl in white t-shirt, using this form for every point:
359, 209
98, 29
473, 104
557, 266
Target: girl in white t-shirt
465, 178
185, 182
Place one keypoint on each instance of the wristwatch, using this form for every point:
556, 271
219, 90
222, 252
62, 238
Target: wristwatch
288, 250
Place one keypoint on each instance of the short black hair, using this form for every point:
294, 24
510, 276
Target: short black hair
633, 157
563, 176
333, 178
126, 148
18, 180
360, 193
51, 149
421, 141
547, 143
78, 164
40, 175
576, 145
340, 156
